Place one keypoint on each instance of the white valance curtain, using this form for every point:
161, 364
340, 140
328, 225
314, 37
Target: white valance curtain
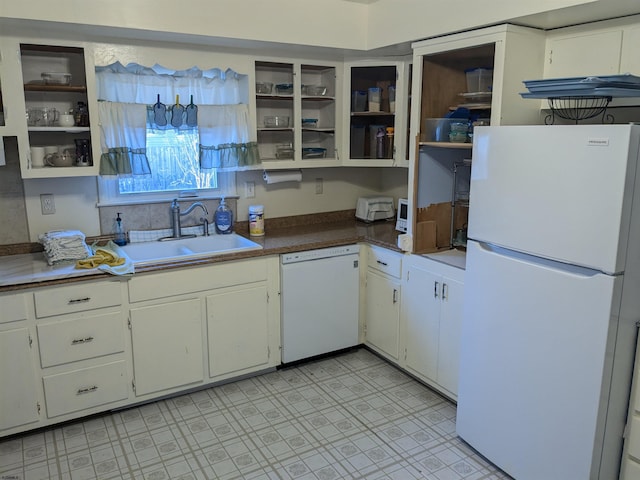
223, 120
139, 84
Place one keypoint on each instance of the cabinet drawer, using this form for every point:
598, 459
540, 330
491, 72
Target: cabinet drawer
77, 339
385, 261
76, 298
85, 388
13, 308
167, 284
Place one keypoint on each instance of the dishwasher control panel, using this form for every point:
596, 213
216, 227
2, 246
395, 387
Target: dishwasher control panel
308, 255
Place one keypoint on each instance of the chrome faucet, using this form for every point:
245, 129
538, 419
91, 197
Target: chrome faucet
175, 219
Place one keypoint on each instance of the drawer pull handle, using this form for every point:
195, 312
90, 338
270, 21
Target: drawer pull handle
82, 391
384, 264
78, 341
73, 301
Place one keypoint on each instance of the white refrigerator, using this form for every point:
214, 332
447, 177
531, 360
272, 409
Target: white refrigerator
552, 296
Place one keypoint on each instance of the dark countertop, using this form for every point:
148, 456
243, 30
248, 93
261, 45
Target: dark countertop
285, 236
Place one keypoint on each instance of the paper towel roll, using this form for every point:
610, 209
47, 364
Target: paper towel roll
279, 176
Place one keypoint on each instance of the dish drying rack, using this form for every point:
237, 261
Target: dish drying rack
578, 108
582, 98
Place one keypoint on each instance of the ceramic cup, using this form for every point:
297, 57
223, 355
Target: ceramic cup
37, 157
66, 120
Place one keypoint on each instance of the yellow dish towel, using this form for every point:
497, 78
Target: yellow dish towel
101, 256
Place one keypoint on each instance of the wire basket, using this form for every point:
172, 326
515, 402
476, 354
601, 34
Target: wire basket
578, 108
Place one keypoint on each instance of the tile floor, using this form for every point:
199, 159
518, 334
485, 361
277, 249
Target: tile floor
352, 416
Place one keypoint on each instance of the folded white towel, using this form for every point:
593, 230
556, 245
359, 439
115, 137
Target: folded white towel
64, 245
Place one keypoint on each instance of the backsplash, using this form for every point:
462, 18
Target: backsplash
156, 215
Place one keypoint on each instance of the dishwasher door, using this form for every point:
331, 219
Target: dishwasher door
320, 298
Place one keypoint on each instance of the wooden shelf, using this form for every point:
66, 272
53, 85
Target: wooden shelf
372, 114
467, 146
41, 87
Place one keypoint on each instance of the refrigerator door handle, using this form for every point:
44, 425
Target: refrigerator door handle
573, 270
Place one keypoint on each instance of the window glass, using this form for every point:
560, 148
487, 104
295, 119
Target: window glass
173, 158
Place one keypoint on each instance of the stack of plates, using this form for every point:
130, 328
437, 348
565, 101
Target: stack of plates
625, 85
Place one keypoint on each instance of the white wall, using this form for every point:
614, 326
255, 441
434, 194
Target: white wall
326, 23
320, 23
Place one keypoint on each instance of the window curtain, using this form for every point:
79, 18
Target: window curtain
224, 137
123, 140
223, 120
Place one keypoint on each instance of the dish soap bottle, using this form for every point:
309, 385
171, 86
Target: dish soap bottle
120, 237
223, 218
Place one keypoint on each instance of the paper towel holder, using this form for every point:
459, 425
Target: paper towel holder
281, 176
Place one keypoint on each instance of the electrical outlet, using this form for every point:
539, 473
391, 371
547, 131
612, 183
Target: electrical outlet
249, 189
319, 186
47, 204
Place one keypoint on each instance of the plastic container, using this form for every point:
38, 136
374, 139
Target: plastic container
223, 218
256, 220
392, 99
358, 101
356, 146
479, 79
375, 99
284, 88
373, 132
264, 88
56, 78
314, 152
314, 90
276, 121
120, 238
438, 129
389, 142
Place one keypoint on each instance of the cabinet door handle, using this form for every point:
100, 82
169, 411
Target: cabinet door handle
395, 295
73, 301
435, 289
445, 291
82, 391
380, 262
78, 341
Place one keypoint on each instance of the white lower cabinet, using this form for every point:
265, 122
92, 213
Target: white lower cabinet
432, 299
81, 344
382, 302
216, 319
19, 394
167, 345
238, 330
84, 388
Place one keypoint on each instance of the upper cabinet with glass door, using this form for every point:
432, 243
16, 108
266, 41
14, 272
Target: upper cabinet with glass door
377, 113
296, 114
53, 88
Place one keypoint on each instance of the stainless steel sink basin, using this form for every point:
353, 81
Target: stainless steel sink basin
187, 248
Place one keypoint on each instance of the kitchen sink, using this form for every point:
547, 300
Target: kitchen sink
188, 248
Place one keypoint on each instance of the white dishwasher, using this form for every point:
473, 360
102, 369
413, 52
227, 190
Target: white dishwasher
320, 297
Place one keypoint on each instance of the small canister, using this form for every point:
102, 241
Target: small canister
256, 220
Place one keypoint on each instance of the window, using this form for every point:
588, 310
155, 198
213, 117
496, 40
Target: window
149, 154
175, 169
173, 158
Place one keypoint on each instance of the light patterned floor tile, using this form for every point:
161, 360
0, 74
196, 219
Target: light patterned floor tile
351, 416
